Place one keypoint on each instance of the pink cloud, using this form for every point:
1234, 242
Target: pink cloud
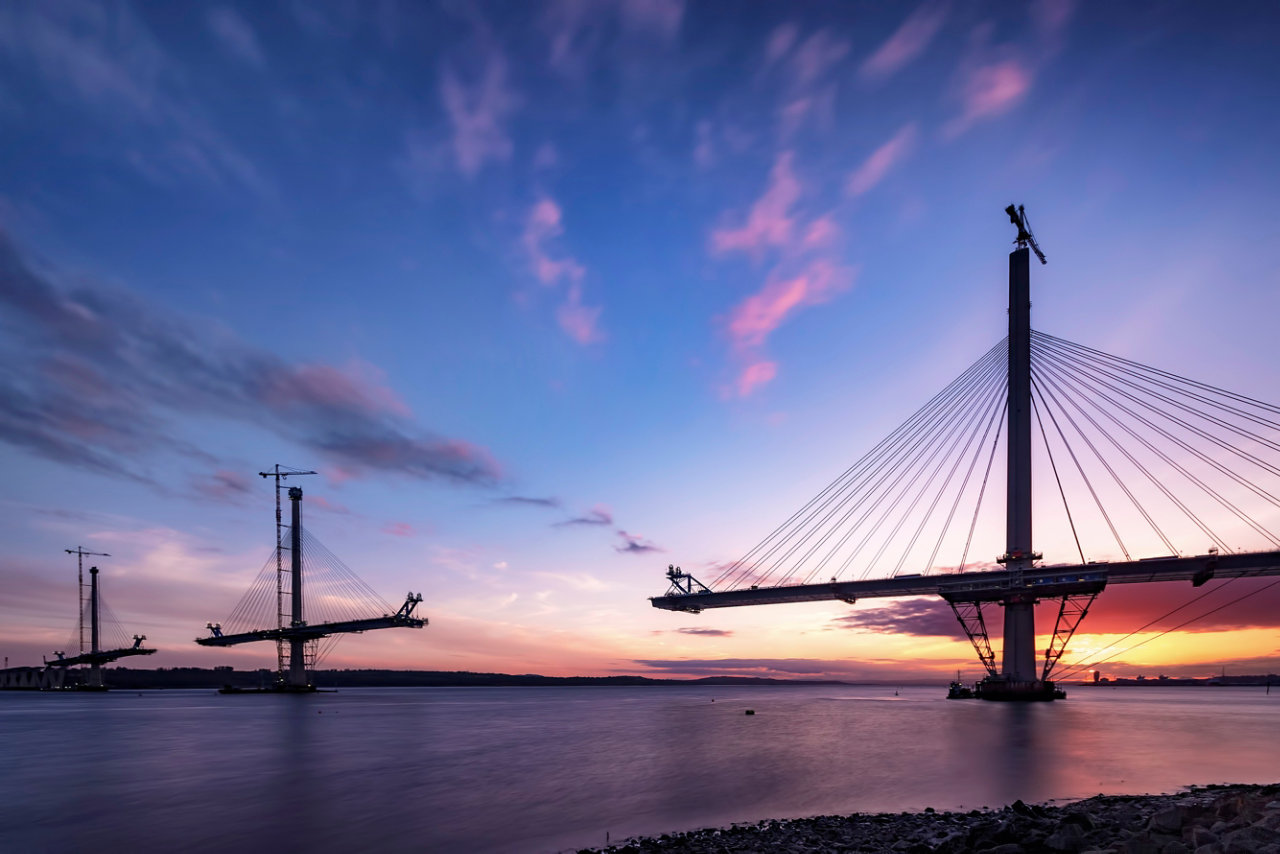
398, 529
906, 43
990, 90
660, 18
580, 322
477, 113
819, 233
1052, 16
754, 375
883, 159
780, 42
770, 222
755, 318
325, 504
816, 56
358, 388
543, 225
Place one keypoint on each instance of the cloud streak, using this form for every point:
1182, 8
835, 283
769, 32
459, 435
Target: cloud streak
882, 160
543, 227
478, 108
907, 42
96, 379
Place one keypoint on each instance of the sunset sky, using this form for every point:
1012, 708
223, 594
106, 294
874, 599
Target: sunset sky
555, 294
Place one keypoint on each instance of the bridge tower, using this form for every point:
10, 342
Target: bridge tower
297, 645
1019, 656
95, 666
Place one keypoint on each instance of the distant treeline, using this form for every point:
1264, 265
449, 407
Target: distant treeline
218, 677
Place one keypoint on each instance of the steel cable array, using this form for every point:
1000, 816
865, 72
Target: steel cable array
900, 500
331, 591
1165, 465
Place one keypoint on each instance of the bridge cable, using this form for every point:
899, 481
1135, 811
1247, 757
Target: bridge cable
1088, 381
1246, 434
1053, 465
855, 479
1050, 386
1196, 618
905, 479
948, 416
931, 424
995, 443
1050, 374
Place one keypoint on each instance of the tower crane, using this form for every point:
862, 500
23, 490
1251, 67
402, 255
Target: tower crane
1018, 216
80, 552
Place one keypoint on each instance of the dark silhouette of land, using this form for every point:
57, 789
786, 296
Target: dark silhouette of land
218, 677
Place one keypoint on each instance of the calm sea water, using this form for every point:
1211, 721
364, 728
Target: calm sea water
548, 769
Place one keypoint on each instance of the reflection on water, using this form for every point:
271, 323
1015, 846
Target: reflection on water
545, 769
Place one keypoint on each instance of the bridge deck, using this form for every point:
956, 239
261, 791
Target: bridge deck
105, 656
1041, 582
315, 631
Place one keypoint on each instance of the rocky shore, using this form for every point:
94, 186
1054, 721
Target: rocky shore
1232, 819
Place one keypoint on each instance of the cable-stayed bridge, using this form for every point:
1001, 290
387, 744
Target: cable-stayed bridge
107, 639
337, 601
1142, 459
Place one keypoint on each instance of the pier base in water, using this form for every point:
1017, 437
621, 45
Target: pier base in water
1008, 690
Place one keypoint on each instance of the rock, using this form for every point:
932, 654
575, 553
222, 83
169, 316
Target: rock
1166, 821
1212, 848
1271, 821
1175, 847
1201, 836
1020, 808
1067, 838
1247, 840
1007, 848
1081, 819
1141, 843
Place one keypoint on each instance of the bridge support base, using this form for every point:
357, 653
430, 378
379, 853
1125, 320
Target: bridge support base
1007, 690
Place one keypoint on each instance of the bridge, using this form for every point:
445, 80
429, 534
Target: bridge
344, 603
1202, 454
96, 655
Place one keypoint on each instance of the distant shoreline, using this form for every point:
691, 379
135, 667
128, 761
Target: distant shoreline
1233, 818
134, 679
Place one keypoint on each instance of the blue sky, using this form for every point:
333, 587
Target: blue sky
553, 294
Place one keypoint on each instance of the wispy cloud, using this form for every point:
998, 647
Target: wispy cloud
989, 90
770, 221
103, 59
598, 515
478, 107
529, 501
543, 226
97, 379
804, 271
756, 317
398, 529
882, 160
755, 374
633, 544
235, 36
706, 633
918, 617
224, 485
582, 33
907, 42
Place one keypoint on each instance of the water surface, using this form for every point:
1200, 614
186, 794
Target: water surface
548, 769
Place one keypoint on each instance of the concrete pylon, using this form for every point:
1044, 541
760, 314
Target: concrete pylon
297, 648
1019, 655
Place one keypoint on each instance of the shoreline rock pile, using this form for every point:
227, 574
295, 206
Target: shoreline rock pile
1228, 819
